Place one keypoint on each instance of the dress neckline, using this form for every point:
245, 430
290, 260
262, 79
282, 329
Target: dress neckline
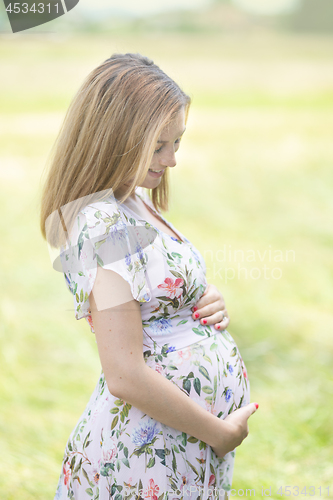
182, 241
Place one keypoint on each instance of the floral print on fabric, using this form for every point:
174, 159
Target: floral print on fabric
116, 451
101, 237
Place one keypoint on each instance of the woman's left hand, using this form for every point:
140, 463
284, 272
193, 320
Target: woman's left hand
210, 308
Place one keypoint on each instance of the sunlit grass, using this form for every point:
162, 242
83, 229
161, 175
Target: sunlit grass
257, 168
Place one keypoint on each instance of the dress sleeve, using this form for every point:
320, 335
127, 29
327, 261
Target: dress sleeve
100, 236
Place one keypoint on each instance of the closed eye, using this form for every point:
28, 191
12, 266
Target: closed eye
160, 149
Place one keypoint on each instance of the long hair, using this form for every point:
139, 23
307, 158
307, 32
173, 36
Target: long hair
108, 138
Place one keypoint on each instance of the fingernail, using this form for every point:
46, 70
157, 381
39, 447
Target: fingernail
256, 405
197, 315
195, 308
204, 321
218, 327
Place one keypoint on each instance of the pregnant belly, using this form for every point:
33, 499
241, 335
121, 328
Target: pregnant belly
210, 371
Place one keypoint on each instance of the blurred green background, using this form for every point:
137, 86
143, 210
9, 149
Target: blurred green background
252, 190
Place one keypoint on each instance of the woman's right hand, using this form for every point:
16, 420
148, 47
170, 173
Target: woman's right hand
235, 428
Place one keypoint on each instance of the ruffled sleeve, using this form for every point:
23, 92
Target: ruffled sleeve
100, 236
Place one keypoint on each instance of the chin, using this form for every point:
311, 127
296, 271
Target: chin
151, 183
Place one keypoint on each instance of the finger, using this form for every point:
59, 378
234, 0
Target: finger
208, 310
251, 408
210, 296
222, 325
223, 303
246, 411
213, 319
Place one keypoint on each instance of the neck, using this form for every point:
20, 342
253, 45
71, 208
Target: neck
119, 193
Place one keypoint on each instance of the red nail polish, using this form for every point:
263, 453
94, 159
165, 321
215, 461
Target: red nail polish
256, 405
218, 327
204, 321
197, 315
195, 308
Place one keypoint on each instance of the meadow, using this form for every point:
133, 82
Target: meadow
252, 190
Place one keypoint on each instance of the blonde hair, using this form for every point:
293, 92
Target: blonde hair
108, 138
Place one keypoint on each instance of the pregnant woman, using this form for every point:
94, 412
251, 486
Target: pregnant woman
172, 402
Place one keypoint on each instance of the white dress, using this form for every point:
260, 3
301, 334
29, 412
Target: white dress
115, 451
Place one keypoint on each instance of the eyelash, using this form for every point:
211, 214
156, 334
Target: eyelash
160, 149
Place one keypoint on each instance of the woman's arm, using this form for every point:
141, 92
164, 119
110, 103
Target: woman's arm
119, 339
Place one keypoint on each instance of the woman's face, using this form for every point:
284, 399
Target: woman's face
165, 152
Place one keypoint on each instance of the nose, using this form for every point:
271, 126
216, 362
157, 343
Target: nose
168, 158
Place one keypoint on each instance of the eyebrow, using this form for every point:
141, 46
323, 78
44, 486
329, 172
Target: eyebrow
164, 142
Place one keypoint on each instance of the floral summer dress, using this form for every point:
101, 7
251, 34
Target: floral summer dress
115, 451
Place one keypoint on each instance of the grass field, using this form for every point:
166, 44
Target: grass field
256, 171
